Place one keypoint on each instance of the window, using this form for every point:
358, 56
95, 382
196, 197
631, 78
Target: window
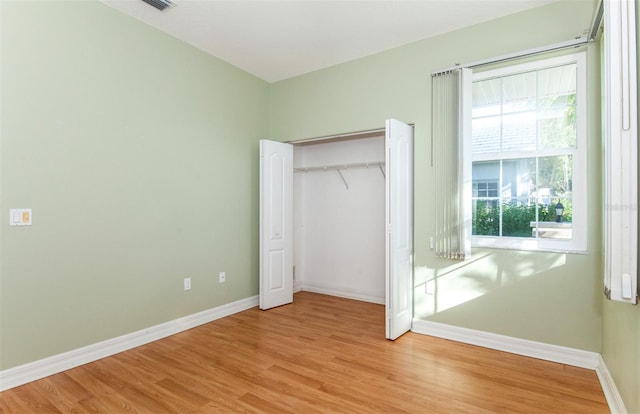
485, 189
485, 198
528, 138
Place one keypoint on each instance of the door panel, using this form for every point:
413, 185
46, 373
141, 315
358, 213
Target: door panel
399, 228
276, 224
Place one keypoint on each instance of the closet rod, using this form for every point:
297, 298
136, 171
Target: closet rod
379, 164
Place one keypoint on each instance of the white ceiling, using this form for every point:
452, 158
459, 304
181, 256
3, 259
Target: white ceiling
276, 40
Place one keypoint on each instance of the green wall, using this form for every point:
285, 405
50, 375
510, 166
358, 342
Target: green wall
138, 155
546, 297
621, 350
621, 328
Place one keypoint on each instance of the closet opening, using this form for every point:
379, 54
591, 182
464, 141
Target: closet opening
338, 214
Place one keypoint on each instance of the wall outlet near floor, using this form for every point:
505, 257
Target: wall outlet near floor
187, 283
223, 277
430, 287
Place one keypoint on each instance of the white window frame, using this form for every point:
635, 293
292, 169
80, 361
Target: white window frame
578, 241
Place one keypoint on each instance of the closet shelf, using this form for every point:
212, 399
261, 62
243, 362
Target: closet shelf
339, 167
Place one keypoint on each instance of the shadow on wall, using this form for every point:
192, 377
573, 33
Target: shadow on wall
443, 288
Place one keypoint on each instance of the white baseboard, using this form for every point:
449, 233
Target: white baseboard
614, 399
342, 294
32, 371
548, 352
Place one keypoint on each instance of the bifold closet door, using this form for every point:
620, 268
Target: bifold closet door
399, 228
276, 224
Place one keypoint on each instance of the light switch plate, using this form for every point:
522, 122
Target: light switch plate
20, 217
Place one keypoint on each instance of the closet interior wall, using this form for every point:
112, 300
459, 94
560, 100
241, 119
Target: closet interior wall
339, 231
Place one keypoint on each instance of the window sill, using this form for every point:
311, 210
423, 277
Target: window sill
530, 244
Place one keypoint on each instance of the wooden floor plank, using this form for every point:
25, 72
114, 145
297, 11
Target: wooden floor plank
103, 398
321, 354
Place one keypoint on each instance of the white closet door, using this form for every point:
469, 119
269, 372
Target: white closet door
399, 227
276, 224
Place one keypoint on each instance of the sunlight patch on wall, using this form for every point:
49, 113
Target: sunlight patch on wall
439, 289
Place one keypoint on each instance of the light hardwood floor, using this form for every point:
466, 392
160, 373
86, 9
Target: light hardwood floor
321, 354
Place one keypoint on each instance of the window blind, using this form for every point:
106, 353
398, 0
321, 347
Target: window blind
451, 106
